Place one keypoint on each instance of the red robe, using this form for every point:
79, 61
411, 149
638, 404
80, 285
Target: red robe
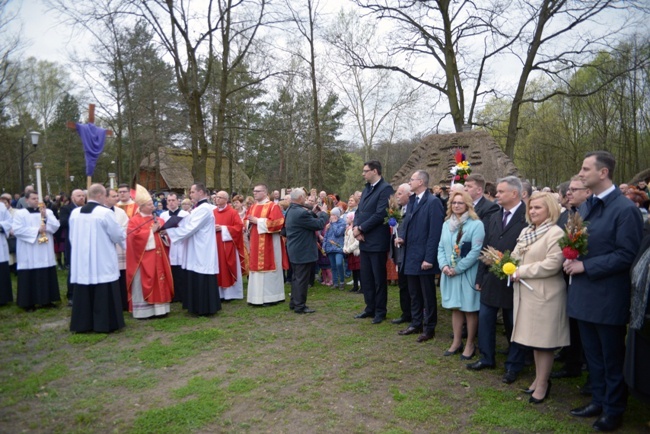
155, 271
261, 245
227, 251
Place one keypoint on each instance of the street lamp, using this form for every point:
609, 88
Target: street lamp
71, 179
34, 135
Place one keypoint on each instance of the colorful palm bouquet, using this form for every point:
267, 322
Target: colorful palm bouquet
574, 241
393, 213
502, 265
461, 170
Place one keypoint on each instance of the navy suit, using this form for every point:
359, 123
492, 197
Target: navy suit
369, 218
496, 293
421, 238
599, 298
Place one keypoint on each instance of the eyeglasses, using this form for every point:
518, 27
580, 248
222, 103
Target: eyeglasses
414, 179
458, 203
221, 197
573, 190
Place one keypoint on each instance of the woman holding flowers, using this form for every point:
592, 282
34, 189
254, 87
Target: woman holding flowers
539, 314
460, 245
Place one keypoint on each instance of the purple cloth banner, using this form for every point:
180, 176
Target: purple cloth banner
93, 139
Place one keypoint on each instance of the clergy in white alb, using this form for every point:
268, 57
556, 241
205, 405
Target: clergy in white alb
35, 259
6, 293
201, 263
93, 266
176, 250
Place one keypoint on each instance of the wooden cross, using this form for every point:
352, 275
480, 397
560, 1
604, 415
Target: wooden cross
91, 120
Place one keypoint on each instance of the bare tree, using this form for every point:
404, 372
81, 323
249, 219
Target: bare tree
9, 48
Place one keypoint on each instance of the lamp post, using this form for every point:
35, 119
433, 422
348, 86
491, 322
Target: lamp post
34, 135
72, 180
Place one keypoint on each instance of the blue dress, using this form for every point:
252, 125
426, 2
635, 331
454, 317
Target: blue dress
458, 292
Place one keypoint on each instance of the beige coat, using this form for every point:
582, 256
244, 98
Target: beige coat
540, 318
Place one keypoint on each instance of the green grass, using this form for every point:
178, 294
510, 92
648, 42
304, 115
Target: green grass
262, 370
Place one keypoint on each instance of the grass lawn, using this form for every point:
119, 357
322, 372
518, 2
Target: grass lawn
263, 370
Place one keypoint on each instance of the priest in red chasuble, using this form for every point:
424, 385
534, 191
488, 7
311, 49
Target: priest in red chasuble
230, 245
148, 273
268, 257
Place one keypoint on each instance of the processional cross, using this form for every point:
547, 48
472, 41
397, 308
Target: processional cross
92, 139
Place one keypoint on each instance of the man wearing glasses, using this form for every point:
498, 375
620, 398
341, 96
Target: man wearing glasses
374, 241
126, 203
268, 257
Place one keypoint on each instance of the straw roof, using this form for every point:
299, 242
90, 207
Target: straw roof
176, 170
435, 155
643, 175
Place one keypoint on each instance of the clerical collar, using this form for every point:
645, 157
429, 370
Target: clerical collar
174, 212
32, 210
201, 202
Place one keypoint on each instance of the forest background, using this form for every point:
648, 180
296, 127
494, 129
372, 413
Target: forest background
301, 92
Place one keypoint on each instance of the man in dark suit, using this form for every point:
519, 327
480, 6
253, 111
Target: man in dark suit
374, 241
421, 237
402, 195
474, 186
77, 199
599, 296
301, 225
501, 232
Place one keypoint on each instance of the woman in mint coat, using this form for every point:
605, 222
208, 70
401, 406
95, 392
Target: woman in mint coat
460, 246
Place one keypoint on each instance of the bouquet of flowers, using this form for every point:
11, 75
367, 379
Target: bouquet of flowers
461, 170
393, 213
574, 241
502, 265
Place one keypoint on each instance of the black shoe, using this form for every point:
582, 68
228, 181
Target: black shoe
364, 314
456, 351
528, 391
534, 400
305, 310
470, 357
378, 319
608, 422
479, 366
509, 377
354, 290
400, 320
425, 337
563, 373
589, 410
410, 331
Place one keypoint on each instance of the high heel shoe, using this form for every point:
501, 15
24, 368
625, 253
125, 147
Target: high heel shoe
534, 400
471, 356
528, 391
456, 351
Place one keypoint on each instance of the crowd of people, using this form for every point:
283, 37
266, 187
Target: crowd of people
127, 250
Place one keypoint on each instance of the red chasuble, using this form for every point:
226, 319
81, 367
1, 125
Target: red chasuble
261, 254
129, 208
228, 250
155, 271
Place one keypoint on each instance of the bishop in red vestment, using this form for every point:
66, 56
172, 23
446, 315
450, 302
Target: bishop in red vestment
148, 274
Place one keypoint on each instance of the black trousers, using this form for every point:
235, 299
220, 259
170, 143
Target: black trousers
424, 304
300, 285
404, 296
373, 282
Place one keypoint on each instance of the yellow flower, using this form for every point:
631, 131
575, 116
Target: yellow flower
509, 268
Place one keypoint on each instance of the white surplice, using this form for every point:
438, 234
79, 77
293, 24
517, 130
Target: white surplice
5, 225
176, 250
93, 238
201, 248
30, 254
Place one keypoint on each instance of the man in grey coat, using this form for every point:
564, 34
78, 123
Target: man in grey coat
300, 226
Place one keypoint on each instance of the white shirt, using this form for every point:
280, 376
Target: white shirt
93, 238
31, 254
512, 212
176, 250
198, 230
5, 224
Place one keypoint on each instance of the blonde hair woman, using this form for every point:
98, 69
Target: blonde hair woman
461, 242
